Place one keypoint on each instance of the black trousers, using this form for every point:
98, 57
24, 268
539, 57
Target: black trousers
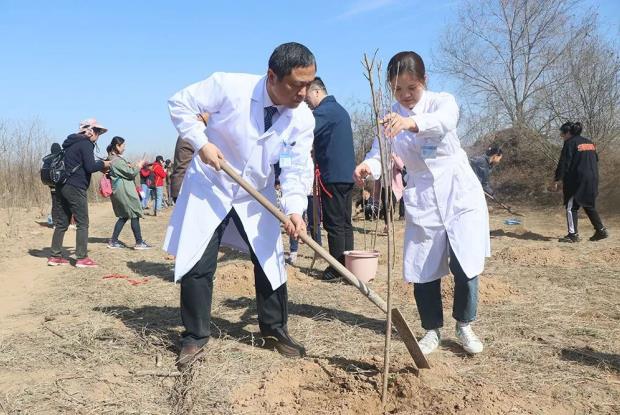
56, 208
197, 292
384, 207
572, 216
72, 201
135, 228
337, 218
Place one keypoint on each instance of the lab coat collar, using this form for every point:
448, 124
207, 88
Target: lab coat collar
418, 108
261, 100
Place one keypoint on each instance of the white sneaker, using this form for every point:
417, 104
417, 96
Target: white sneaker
430, 341
470, 342
292, 257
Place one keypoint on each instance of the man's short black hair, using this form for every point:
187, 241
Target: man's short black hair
318, 83
159, 159
288, 56
494, 150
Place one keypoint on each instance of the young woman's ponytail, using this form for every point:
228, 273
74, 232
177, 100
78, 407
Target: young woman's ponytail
116, 141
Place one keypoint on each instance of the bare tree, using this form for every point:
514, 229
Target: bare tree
501, 50
364, 131
588, 89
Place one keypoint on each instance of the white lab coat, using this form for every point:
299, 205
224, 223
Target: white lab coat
236, 104
444, 201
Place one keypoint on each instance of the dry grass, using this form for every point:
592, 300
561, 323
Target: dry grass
550, 331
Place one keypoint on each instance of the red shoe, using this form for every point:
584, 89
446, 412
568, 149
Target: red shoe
54, 261
86, 263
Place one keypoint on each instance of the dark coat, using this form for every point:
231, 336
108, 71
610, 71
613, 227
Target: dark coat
578, 171
79, 150
183, 155
482, 167
333, 142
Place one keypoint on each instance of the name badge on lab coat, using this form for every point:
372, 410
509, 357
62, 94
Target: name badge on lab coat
429, 151
286, 159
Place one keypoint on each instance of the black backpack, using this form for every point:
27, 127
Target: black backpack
53, 170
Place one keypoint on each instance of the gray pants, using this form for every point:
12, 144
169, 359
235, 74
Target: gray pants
73, 202
428, 298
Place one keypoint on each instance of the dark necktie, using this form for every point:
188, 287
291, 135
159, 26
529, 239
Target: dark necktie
269, 113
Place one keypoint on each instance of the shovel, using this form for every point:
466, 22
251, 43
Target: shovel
508, 208
397, 318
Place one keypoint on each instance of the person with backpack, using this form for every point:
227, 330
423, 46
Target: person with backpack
125, 201
80, 164
577, 170
160, 175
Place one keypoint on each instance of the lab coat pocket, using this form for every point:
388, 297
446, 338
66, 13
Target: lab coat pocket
465, 191
412, 207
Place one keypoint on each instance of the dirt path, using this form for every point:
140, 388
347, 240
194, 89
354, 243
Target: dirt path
74, 342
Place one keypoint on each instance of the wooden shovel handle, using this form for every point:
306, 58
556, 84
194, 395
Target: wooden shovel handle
398, 321
348, 275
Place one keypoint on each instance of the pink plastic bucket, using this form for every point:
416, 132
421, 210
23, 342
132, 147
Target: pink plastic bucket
362, 264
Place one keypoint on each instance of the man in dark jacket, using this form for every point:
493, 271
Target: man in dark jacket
183, 155
482, 166
578, 172
334, 154
73, 198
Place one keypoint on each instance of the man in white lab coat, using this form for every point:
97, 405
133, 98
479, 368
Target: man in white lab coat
254, 122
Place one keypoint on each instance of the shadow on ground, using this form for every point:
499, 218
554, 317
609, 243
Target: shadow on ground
311, 311
590, 357
152, 269
526, 236
47, 252
165, 322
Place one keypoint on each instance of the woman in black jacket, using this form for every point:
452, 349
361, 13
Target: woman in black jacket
72, 195
578, 172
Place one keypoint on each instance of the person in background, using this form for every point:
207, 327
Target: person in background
52, 217
168, 169
183, 154
334, 154
482, 166
160, 176
79, 151
367, 205
397, 186
308, 181
145, 173
125, 201
577, 170
446, 222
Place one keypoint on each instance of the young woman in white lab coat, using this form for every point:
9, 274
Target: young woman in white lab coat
447, 224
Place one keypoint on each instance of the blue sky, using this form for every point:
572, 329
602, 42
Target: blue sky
119, 61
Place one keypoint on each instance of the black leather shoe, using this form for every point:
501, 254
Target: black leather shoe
189, 354
600, 234
570, 238
281, 341
331, 275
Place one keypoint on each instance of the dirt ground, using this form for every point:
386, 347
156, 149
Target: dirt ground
73, 341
